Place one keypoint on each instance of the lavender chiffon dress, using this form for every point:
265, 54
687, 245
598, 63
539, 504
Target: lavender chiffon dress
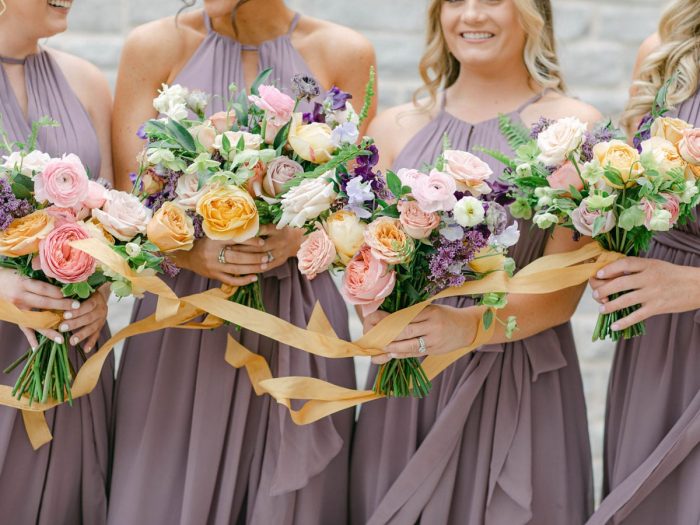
652, 427
65, 481
502, 439
193, 444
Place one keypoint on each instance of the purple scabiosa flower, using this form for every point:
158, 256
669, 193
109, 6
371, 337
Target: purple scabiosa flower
337, 99
448, 264
305, 87
11, 207
169, 268
539, 126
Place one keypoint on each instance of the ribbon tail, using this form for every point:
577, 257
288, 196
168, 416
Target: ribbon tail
37, 428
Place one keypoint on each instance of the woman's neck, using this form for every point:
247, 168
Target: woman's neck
256, 21
14, 43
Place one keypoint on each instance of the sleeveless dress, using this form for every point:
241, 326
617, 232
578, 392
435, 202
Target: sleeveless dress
193, 444
502, 438
652, 463
65, 481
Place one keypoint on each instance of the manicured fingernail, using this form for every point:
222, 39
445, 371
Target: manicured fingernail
595, 294
75, 305
601, 309
261, 242
63, 328
264, 259
88, 349
600, 274
263, 267
68, 315
254, 278
615, 327
58, 339
74, 341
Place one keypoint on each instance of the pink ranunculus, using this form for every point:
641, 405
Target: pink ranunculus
584, 219
367, 281
279, 107
63, 182
689, 146
62, 262
417, 223
222, 121
279, 171
469, 171
62, 215
408, 177
672, 205
123, 215
565, 176
97, 195
316, 254
435, 192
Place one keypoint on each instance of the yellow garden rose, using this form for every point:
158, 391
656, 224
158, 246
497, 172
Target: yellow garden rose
311, 142
623, 157
171, 229
665, 154
487, 260
228, 214
22, 237
388, 241
347, 233
670, 129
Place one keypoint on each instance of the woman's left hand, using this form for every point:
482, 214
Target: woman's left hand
279, 246
658, 286
85, 323
443, 329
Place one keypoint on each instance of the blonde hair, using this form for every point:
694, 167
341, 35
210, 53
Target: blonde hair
439, 69
3, 7
679, 30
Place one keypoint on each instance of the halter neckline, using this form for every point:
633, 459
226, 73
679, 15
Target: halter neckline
248, 47
14, 61
516, 111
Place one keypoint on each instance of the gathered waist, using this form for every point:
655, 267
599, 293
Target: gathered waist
678, 240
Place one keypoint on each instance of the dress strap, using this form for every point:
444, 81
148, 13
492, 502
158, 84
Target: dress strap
207, 21
293, 25
531, 101
15, 61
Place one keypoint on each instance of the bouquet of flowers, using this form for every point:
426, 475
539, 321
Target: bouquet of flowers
601, 187
402, 241
45, 205
222, 175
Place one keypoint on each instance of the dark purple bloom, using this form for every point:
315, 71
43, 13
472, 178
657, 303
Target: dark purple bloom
133, 177
11, 207
315, 116
364, 168
305, 87
448, 265
539, 126
169, 268
643, 132
337, 98
500, 193
168, 192
197, 222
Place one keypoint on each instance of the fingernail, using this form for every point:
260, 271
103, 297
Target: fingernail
263, 260
595, 294
63, 328
615, 327
75, 305
88, 349
601, 309
74, 341
58, 339
68, 315
600, 274
254, 278
263, 267
261, 242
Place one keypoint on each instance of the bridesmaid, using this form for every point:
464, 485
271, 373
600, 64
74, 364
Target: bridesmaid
651, 461
502, 438
64, 482
192, 441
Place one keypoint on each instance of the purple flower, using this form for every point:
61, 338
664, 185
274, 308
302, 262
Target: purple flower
496, 218
345, 134
141, 132
11, 207
500, 193
592, 138
168, 267
197, 222
358, 193
315, 116
168, 192
337, 99
449, 264
305, 87
539, 126
643, 132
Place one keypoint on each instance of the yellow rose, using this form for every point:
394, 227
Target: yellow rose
228, 214
22, 237
311, 142
347, 233
670, 129
487, 260
623, 157
171, 229
388, 241
665, 154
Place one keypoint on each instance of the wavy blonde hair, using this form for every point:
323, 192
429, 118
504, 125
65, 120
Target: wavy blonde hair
439, 69
679, 54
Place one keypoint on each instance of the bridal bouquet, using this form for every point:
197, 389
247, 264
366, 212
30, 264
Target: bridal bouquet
601, 187
45, 205
222, 176
400, 242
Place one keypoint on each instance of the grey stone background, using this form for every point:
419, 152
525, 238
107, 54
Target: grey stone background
597, 40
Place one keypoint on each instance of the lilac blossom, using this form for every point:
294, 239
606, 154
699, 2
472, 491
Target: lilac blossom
169, 268
11, 207
539, 126
197, 223
597, 136
643, 132
449, 262
168, 192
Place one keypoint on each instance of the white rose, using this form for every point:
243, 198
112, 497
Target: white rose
468, 212
545, 220
123, 215
250, 141
33, 162
172, 101
559, 140
306, 202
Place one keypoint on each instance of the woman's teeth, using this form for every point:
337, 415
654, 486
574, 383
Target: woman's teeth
477, 36
65, 4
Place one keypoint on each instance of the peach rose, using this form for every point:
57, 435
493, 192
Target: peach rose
388, 241
623, 157
254, 184
670, 129
63, 182
60, 261
280, 171
469, 171
222, 121
417, 223
689, 146
205, 135
367, 281
123, 215
23, 235
565, 176
228, 214
316, 254
97, 195
312, 142
347, 233
171, 229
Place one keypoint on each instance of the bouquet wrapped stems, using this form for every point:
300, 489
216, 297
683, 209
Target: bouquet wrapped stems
250, 295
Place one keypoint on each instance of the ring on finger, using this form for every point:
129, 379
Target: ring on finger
270, 256
422, 347
222, 255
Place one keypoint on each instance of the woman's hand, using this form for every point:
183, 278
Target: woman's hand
443, 329
85, 323
277, 247
658, 286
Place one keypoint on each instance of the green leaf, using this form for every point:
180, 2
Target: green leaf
488, 318
260, 80
613, 176
499, 156
181, 135
598, 225
394, 183
81, 290
575, 193
282, 135
390, 211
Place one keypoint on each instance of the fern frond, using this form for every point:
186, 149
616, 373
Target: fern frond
499, 156
516, 134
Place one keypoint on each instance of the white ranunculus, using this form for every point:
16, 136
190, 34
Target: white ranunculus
468, 212
559, 140
306, 202
33, 162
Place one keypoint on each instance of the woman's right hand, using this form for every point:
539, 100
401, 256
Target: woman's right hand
203, 259
29, 294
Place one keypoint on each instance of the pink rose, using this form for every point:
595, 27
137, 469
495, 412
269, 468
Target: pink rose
63, 182
222, 121
188, 191
62, 262
280, 171
254, 183
279, 107
205, 135
565, 176
417, 223
584, 218
469, 171
316, 254
408, 177
97, 195
672, 205
367, 281
689, 146
435, 192
123, 215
